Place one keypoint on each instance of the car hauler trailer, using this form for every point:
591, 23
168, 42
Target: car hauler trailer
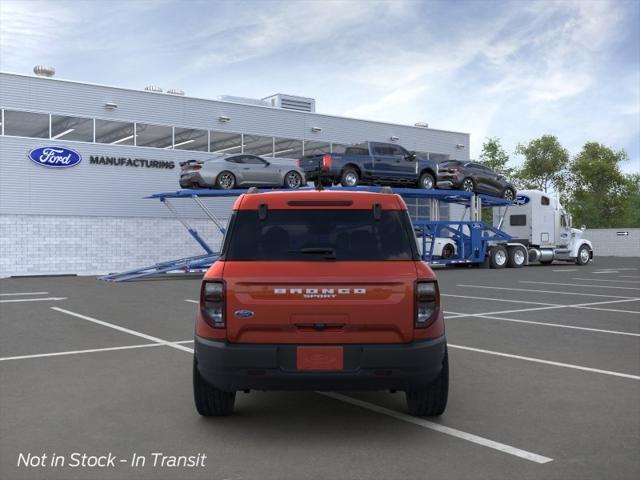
468, 241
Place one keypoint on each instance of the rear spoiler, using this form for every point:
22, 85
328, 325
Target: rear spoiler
190, 162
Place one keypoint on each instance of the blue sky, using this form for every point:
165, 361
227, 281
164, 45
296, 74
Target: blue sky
511, 69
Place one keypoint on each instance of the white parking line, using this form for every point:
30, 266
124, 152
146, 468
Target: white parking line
546, 362
588, 306
605, 272
580, 285
605, 280
528, 290
23, 293
497, 299
125, 330
545, 324
90, 350
469, 437
566, 270
191, 301
629, 276
47, 299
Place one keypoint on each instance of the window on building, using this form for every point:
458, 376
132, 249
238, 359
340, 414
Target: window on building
26, 124
518, 220
71, 128
115, 133
225, 143
316, 148
157, 136
258, 145
287, 148
191, 139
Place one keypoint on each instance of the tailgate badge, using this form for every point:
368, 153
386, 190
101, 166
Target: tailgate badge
243, 313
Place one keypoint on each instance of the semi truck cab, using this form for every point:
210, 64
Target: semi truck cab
540, 223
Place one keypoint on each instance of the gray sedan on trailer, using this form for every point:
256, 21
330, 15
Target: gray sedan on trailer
244, 170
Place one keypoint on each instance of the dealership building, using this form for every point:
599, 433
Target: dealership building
91, 217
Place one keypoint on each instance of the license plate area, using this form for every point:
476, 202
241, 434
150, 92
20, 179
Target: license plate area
320, 358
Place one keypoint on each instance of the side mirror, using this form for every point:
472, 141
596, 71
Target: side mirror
583, 227
411, 157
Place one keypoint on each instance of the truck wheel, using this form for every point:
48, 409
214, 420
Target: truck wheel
211, 402
426, 181
517, 257
226, 180
499, 257
433, 400
584, 255
349, 178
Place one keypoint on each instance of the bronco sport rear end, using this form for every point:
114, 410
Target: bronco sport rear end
320, 290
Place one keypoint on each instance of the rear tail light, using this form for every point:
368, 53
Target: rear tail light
326, 161
212, 303
427, 303
196, 167
299, 162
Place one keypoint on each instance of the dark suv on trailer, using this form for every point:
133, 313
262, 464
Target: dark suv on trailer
474, 177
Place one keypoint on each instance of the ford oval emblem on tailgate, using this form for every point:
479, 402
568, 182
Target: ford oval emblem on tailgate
55, 157
244, 313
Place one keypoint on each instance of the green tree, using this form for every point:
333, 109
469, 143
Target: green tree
545, 164
495, 157
630, 216
598, 193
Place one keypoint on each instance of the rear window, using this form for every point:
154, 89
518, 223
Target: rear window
310, 235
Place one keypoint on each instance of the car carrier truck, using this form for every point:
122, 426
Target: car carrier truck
541, 227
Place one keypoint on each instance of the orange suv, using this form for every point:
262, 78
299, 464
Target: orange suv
320, 290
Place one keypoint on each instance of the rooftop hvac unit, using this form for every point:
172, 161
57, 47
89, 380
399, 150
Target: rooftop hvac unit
153, 88
175, 91
292, 102
44, 71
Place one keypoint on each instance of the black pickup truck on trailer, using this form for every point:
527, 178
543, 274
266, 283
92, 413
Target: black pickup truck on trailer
372, 163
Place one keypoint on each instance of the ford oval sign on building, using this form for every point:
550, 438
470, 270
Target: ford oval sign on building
55, 157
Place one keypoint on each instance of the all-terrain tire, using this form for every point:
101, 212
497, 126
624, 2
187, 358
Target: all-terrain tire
211, 402
432, 401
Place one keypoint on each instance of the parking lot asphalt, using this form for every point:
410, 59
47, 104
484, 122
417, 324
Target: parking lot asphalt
545, 383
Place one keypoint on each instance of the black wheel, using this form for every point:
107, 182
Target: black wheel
517, 257
448, 251
584, 255
293, 180
426, 181
226, 180
349, 178
499, 257
432, 401
508, 194
468, 185
211, 402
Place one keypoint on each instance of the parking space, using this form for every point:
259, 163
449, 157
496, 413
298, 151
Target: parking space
545, 383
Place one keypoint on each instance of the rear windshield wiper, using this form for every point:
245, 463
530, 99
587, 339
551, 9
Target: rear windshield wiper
329, 253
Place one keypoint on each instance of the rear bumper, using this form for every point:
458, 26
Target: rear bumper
230, 367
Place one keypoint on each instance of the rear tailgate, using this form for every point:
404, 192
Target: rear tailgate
310, 163
327, 303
